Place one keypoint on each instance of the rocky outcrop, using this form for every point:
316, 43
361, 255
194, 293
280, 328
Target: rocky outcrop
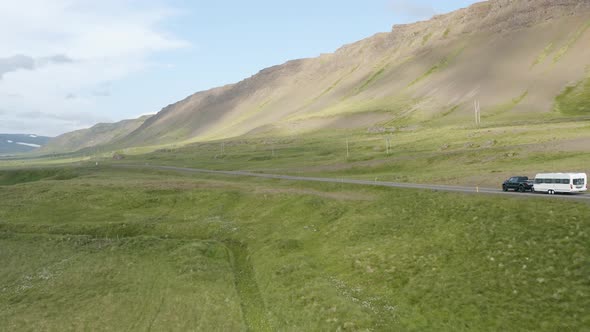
494, 16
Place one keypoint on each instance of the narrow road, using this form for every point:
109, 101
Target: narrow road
469, 190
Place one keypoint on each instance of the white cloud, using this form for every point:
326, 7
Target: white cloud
23, 62
57, 56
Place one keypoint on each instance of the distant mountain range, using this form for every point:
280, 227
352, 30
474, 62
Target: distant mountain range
100, 134
523, 60
20, 143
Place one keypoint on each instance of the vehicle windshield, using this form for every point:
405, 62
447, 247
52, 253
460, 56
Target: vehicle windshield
579, 182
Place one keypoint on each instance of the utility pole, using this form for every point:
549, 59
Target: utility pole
478, 114
387, 145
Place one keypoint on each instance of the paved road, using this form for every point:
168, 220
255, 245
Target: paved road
471, 190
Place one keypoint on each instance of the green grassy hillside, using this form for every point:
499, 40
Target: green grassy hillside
118, 249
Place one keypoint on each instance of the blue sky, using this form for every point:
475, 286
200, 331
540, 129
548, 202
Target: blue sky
68, 64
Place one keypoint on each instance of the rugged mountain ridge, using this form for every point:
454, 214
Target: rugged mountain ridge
515, 57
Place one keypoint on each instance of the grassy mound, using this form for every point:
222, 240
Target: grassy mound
575, 100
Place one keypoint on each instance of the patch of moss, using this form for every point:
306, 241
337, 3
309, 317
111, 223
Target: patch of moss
250, 113
334, 85
442, 64
446, 33
502, 108
426, 38
520, 98
374, 77
450, 110
541, 58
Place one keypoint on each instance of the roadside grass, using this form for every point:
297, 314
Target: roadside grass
123, 249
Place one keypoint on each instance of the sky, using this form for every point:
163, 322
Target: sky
69, 64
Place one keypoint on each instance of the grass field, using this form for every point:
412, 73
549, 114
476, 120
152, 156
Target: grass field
113, 249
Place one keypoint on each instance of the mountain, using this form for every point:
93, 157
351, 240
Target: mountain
523, 60
100, 134
20, 143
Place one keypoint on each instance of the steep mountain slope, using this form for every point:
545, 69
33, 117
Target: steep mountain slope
20, 143
515, 57
99, 134
523, 60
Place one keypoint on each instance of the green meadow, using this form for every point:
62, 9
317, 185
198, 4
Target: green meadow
102, 248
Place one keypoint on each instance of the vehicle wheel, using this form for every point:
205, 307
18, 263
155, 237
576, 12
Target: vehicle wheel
551, 192
504, 188
521, 189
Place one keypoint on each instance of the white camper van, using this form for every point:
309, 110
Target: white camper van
552, 183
